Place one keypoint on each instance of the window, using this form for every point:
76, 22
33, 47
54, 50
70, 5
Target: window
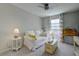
55, 24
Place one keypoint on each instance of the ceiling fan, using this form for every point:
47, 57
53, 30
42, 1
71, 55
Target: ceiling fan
45, 6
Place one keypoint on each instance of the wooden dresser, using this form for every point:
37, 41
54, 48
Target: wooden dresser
69, 33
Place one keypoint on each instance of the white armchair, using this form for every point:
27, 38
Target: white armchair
76, 45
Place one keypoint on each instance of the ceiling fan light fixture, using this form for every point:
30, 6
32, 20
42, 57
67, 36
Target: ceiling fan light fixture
45, 6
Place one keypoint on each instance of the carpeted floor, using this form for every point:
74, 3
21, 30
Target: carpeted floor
63, 50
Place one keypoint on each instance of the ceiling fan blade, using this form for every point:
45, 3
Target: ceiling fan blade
41, 6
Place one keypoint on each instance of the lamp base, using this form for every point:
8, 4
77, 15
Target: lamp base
15, 36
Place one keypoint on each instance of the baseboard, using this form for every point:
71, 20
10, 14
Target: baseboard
4, 50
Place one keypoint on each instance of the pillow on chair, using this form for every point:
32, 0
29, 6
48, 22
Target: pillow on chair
30, 35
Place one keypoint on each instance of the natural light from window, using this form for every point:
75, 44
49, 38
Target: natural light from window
55, 24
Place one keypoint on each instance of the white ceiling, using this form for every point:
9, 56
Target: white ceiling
55, 8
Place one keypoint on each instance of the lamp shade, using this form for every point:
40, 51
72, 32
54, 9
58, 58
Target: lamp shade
16, 30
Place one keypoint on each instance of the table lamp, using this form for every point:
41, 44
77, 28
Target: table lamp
16, 33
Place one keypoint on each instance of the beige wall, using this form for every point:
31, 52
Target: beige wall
71, 20
12, 17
